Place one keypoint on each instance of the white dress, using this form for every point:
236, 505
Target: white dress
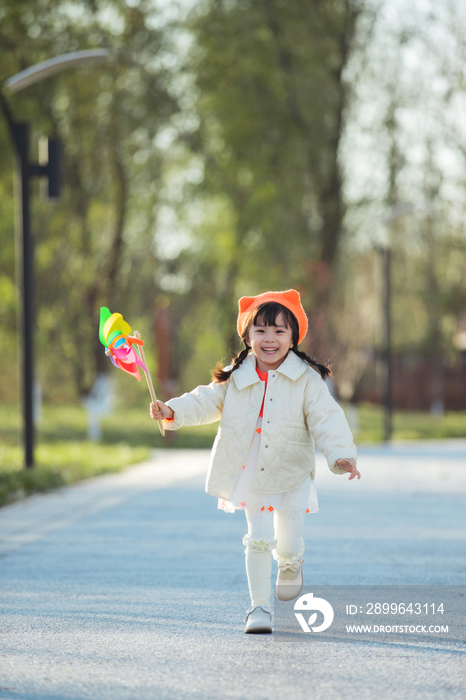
302, 496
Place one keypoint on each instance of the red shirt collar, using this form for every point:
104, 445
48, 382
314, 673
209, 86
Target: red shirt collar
263, 376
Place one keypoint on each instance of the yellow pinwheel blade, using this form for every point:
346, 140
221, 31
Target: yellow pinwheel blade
116, 323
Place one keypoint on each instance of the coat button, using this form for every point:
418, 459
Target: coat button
266, 445
262, 469
232, 476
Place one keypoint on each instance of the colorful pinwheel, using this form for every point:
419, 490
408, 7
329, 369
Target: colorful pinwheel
114, 334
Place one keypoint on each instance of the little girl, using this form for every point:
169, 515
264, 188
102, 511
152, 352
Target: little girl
273, 404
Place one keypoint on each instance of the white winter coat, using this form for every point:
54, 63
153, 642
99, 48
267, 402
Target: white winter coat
298, 411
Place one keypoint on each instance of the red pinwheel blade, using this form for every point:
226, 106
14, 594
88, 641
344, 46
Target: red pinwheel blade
130, 368
128, 355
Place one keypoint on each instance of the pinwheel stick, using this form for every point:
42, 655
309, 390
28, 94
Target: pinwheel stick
149, 381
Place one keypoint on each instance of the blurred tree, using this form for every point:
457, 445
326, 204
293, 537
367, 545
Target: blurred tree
264, 163
271, 98
354, 317
405, 142
97, 246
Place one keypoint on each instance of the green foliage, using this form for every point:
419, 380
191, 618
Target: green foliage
208, 348
270, 99
90, 245
61, 463
238, 143
64, 455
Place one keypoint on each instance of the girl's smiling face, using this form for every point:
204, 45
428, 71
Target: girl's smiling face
270, 344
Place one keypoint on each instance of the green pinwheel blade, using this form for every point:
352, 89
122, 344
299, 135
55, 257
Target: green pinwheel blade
104, 316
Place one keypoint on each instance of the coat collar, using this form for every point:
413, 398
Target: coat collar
292, 367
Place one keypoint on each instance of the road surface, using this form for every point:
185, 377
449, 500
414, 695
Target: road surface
132, 586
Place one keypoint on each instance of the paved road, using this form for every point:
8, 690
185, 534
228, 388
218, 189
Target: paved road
132, 586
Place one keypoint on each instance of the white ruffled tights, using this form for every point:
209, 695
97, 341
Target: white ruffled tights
276, 533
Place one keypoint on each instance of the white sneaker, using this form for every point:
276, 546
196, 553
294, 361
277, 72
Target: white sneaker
289, 581
258, 621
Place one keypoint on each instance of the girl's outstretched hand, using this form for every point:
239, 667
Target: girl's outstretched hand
349, 465
161, 411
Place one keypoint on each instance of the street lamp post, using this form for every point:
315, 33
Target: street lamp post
20, 132
393, 213
386, 254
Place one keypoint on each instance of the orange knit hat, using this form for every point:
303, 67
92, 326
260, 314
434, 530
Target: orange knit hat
289, 299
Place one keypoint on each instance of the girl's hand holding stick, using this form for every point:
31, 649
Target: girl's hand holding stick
160, 411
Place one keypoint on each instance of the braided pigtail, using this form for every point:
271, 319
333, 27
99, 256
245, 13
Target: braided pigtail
323, 369
221, 375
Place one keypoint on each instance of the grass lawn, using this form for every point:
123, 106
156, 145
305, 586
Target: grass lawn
410, 425
64, 454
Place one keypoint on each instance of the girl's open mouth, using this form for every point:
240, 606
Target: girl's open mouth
270, 351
